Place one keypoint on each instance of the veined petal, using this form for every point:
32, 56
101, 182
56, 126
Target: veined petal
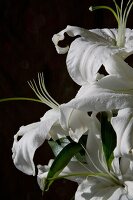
115, 65
57, 132
98, 189
86, 53
123, 126
33, 135
117, 83
75, 121
123, 168
126, 168
116, 168
95, 35
94, 149
96, 98
42, 173
85, 58
129, 188
129, 40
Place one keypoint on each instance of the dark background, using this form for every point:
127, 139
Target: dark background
26, 29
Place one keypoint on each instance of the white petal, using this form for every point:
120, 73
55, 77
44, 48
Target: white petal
117, 83
129, 40
96, 35
75, 121
116, 168
33, 135
123, 126
94, 156
85, 58
88, 52
71, 31
126, 167
94, 48
95, 98
98, 189
129, 189
57, 132
120, 67
42, 174
109, 35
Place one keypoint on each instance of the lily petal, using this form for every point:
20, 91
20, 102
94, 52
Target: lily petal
129, 40
57, 132
85, 58
86, 53
33, 136
126, 168
117, 84
123, 126
129, 185
75, 121
96, 98
93, 49
100, 189
115, 65
93, 35
94, 156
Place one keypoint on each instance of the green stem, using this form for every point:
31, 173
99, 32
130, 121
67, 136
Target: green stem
79, 174
20, 98
87, 175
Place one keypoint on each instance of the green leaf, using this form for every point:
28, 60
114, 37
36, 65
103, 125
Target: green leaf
108, 138
61, 162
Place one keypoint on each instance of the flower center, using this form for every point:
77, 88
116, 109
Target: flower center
122, 21
121, 16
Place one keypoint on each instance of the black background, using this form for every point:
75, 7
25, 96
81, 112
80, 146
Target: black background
26, 29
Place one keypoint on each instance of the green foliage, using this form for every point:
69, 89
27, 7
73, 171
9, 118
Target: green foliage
61, 162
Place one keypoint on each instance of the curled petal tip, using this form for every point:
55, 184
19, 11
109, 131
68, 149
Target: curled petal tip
60, 50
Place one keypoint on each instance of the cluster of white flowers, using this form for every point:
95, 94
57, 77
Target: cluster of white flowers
105, 170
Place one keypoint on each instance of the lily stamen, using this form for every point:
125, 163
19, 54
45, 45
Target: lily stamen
42, 92
121, 17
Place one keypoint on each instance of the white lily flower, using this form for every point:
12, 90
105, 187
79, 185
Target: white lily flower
94, 178
108, 47
51, 125
93, 48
